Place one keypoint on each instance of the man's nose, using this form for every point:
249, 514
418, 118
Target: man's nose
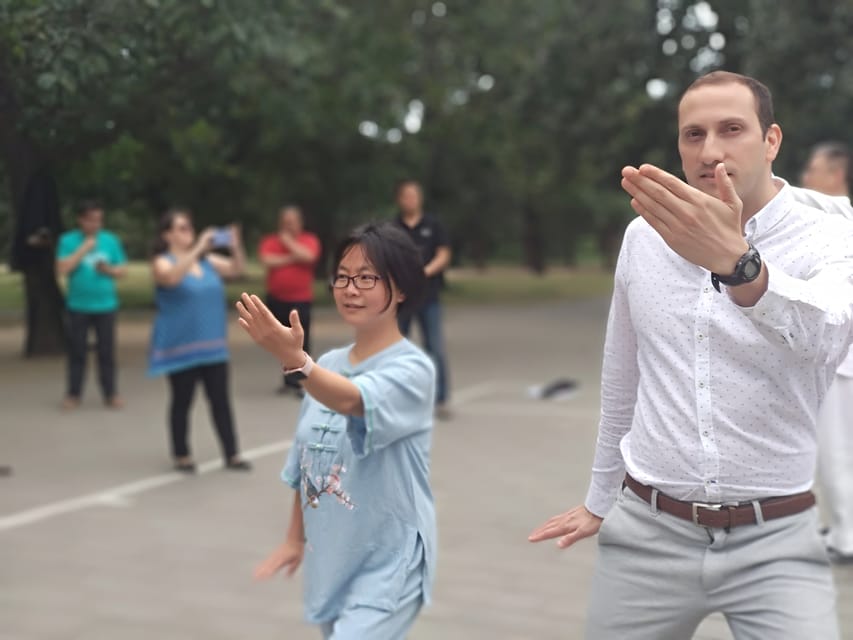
712, 150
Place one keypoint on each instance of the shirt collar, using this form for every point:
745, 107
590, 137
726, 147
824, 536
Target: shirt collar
771, 213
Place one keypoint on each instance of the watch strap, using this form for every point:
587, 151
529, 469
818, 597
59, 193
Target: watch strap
738, 276
305, 369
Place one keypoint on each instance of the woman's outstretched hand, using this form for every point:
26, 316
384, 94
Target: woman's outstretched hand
285, 343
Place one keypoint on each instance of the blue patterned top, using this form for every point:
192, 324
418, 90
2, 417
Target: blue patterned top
369, 516
190, 326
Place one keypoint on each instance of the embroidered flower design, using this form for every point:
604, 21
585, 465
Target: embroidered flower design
318, 484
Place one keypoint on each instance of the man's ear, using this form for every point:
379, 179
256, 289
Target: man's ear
774, 141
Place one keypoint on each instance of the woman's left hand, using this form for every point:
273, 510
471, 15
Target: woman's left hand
285, 343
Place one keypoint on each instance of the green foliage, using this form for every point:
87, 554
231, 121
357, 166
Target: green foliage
527, 109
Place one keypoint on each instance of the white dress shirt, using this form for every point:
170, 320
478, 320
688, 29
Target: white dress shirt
838, 205
708, 401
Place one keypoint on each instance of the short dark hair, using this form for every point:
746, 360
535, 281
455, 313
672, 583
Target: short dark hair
762, 95
395, 257
85, 206
405, 182
836, 153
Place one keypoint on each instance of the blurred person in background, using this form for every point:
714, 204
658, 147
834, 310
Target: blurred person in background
189, 338
826, 179
432, 241
290, 257
363, 517
732, 307
91, 258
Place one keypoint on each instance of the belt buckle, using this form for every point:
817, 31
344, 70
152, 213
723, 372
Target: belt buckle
695, 506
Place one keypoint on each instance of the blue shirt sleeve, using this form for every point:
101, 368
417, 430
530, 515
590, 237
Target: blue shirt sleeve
398, 401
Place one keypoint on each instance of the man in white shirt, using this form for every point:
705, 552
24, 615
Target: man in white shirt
827, 187
732, 307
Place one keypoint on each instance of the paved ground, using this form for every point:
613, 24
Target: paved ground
100, 541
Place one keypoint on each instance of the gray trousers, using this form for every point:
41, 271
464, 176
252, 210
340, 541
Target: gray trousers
657, 577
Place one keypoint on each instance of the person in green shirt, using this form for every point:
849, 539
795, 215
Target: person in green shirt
91, 259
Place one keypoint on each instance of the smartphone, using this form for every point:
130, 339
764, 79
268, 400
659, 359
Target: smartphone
221, 237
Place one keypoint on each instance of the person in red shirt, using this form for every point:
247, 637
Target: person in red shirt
290, 257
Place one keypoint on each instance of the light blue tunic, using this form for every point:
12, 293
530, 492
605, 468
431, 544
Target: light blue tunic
369, 515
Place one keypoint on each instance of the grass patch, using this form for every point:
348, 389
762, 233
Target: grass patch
494, 285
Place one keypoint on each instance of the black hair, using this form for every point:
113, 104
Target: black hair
405, 182
395, 257
165, 224
85, 206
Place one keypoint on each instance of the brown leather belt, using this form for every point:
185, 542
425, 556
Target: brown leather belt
723, 516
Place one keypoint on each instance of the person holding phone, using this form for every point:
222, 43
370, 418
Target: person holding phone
92, 259
189, 341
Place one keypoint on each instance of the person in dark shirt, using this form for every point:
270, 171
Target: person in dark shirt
431, 238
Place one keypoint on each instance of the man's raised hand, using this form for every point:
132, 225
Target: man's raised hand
701, 228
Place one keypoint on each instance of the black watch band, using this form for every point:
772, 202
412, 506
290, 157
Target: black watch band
747, 269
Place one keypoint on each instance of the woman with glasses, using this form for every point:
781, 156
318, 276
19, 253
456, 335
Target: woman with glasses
189, 341
363, 518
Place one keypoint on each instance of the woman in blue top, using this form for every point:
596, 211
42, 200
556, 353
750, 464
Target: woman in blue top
189, 341
363, 518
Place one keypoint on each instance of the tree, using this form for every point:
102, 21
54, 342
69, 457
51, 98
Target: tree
152, 72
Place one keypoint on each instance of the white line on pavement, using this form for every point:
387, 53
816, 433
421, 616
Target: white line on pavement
119, 496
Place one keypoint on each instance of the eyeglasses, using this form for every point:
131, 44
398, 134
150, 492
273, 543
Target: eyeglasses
361, 281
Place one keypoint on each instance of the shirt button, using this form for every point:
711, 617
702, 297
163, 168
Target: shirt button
701, 336
701, 385
706, 289
704, 433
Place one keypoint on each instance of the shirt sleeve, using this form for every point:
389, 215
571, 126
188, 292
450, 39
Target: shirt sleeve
620, 377
442, 238
65, 247
398, 402
268, 244
812, 316
312, 243
118, 255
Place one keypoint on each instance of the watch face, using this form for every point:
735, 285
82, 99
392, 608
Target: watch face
751, 269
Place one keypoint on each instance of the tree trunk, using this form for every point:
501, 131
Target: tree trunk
37, 227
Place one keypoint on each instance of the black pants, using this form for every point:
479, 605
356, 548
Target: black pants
215, 380
281, 310
78, 329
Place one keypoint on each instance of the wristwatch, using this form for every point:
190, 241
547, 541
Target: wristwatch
747, 269
300, 373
